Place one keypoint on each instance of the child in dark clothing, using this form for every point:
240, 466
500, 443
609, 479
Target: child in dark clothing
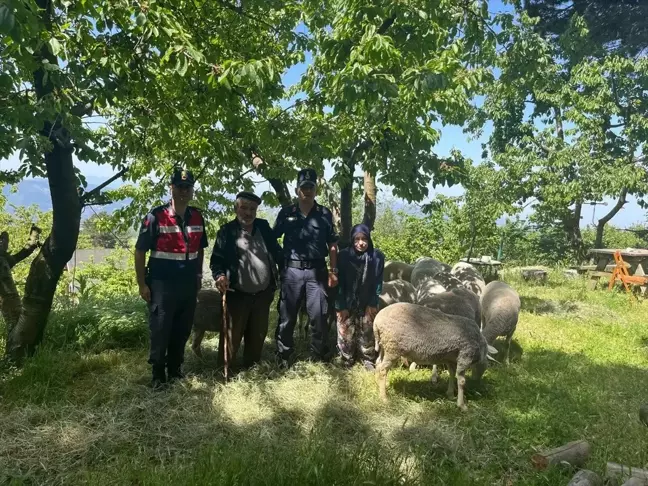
360, 277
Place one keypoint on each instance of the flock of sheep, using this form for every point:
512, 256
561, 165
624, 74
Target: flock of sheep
429, 314
432, 314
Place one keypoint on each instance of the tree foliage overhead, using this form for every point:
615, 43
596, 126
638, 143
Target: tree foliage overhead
383, 73
171, 83
567, 130
614, 25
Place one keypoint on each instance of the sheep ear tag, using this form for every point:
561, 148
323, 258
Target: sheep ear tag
491, 349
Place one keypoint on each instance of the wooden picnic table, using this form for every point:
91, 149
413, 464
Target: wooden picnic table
603, 258
488, 267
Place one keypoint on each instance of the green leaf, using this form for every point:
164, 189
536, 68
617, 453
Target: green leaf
182, 65
54, 46
7, 19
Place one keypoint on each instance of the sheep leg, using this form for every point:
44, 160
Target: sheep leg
435, 375
199, 334
412, 367
461, 383
509, 338
452, 368
381, 375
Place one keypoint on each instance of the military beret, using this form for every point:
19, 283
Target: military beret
250, 196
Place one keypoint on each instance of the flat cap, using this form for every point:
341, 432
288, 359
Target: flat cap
250, 196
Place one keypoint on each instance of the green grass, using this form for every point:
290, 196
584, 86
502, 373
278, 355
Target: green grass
86, 416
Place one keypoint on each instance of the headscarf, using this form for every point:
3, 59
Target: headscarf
359, 267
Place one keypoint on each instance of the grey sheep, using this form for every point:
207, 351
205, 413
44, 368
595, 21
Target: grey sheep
448, 280
469, 277
458, 302
207, 317
500, 312
396, 291
428, 336
429, 288
425, 269
397, 271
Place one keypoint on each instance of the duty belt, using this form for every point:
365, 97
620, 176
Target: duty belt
303, 264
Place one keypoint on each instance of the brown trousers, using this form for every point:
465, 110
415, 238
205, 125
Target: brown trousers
248, 320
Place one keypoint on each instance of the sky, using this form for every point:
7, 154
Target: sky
452, 137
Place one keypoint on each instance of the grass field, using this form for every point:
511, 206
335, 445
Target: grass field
580, 371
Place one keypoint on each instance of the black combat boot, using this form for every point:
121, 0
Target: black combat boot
174, 372
159, 379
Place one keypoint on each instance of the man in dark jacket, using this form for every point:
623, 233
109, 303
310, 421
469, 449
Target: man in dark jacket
360, 273
244, 263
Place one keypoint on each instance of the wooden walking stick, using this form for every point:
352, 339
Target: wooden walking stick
225, 337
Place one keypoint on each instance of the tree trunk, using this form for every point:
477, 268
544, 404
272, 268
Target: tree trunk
46, 269
369, 200
346, 204
279, 186
600, 227
571, 225
346, 191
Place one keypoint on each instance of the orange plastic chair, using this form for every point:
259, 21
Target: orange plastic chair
621, 273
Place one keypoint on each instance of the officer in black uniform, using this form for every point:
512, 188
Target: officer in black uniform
175, 235
309, 238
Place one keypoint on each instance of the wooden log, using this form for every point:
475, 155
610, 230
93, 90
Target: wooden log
574, 453
584, 477
620, 471
635, 482
643, 414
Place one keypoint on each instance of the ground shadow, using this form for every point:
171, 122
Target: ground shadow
534, 305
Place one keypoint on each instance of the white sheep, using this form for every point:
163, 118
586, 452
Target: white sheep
425, 269
397, 271
396, 291
500, 308
428, 336
458, 302
469, 277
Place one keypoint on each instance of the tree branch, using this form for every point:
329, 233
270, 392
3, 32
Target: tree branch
32, 243
88, 196
387, 23
600, 227
279, 186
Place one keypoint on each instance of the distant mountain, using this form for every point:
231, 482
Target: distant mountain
36, 191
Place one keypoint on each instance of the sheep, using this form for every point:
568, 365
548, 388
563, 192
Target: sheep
425, 269
396, 291
448, 280
500, 306
428, 336
428, 288
397, 271
458, 302
207, 317
469, 277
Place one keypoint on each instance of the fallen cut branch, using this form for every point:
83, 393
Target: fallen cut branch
643, 414
636, 482
585, 477
623, 472
574, 453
